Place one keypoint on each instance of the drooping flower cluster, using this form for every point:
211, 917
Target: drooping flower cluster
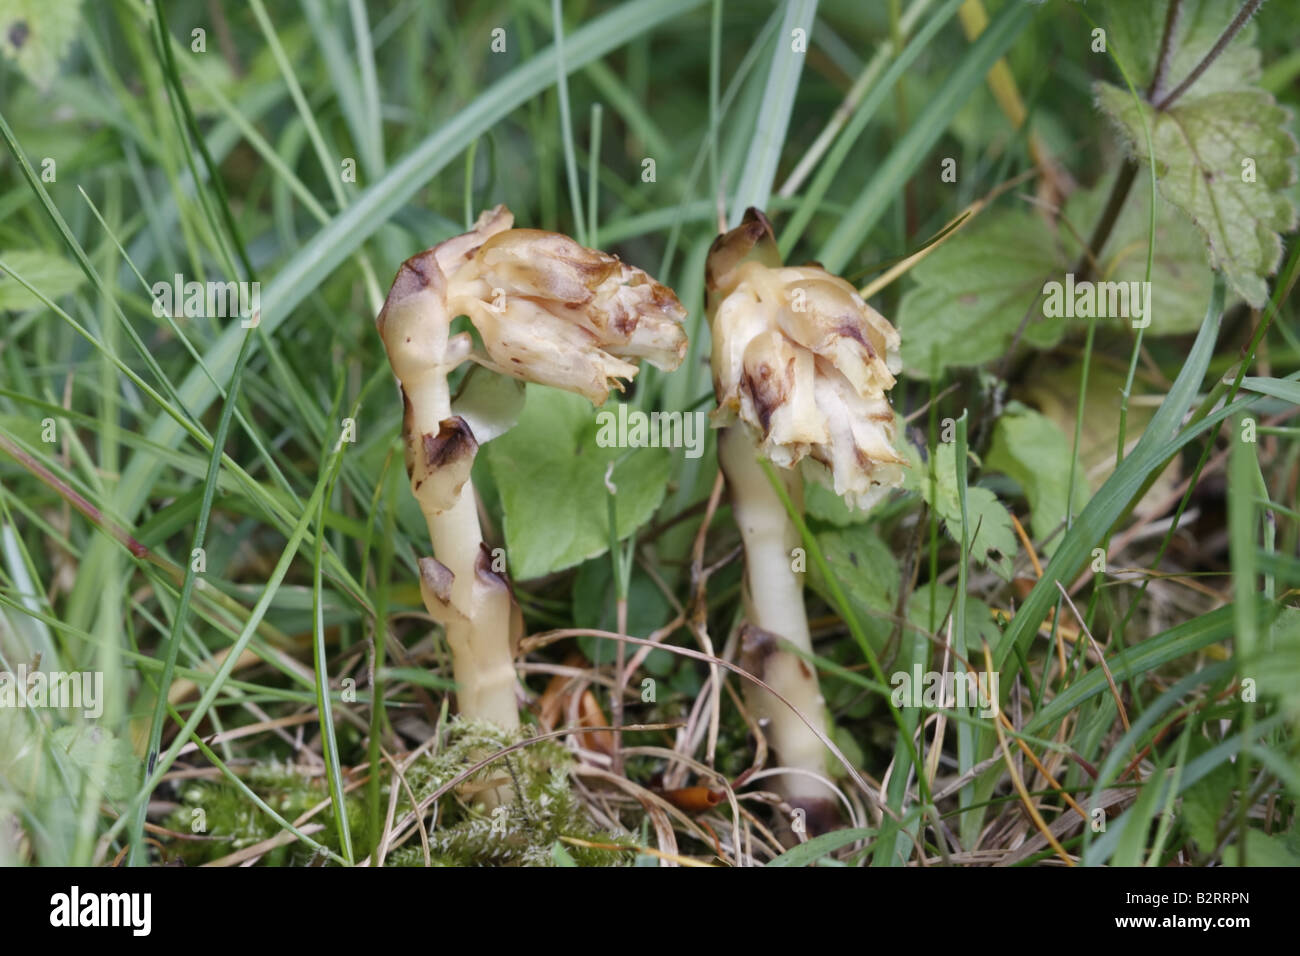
805, 363
547, 309
552, 311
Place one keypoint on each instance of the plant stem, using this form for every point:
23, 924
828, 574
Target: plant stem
773, 597
1243, 15
1173, 15
479, 636
1101, 232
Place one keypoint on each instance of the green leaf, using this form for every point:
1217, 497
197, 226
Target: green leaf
825, 505
992, 540
806, 854
1180, 283
980, 625
551, 476
1286, 389
1135, 29
847, 741
941, 493
1279, 667
53, 275
1204, 804
1032, 449
864, 565
489, 403
36, 34
1282, 849
973, 292
595, 606
106, 758
869, 574
1053, 390
1201, 145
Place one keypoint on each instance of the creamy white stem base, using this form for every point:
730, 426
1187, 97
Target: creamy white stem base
481, 653
773, 596
476, 608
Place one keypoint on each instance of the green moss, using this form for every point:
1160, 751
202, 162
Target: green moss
220, 812
521, 833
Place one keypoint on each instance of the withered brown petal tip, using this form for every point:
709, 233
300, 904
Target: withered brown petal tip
768, 392
758, 222
453, 442
414, 275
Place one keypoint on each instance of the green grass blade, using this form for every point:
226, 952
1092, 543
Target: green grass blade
866, 109
806, 854
329, 247
1185, 639
1115, 496
887, 180
774, 116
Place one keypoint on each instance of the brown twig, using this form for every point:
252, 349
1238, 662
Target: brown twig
1172, 17
1243, 15
72, 497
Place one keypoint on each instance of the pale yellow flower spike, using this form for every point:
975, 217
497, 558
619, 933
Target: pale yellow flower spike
548, 311
806, 364
801, 369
